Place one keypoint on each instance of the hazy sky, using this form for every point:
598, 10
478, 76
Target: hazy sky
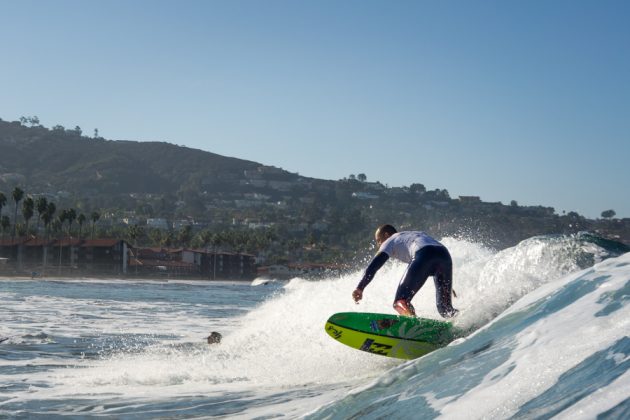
508, 100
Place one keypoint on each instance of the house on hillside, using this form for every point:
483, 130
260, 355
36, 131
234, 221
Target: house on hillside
157, 223
469, 199
365, 195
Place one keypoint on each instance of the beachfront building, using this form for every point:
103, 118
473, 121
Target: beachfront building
104, 256
8, 248
65, 256
37, 249
116, 258
191, 263
228, 266
160, 262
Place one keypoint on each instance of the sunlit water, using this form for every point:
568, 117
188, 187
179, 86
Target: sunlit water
548, 336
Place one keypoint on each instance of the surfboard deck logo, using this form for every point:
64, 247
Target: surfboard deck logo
389, 335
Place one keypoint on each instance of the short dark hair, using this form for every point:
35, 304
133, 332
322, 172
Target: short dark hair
214, 337
388, 229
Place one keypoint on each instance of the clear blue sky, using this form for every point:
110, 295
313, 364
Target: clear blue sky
508, 100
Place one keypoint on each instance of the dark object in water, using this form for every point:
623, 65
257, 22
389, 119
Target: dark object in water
214, 338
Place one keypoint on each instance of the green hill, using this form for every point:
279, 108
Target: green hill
309, 219
41, 159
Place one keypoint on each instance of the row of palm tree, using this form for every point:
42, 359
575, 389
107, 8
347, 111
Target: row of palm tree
46, 212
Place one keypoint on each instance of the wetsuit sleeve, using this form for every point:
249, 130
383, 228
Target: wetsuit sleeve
376, 263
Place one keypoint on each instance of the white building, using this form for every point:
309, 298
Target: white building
157, 223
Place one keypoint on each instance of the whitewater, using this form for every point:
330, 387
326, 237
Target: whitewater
547, 324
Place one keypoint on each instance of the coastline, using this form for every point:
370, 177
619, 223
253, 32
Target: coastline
121, 279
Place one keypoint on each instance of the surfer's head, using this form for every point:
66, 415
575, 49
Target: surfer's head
384, 232
214, 338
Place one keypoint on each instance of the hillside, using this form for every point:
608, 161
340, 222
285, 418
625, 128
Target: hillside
44, 160
151, 192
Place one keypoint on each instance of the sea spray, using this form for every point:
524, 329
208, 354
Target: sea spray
561, 350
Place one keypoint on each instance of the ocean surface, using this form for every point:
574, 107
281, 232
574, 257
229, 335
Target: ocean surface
548, 322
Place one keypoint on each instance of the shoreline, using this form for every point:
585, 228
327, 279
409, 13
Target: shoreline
123, 279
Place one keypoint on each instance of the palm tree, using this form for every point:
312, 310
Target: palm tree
155, 237
5, 222
216, 240
134, 232
71, 216
95, 217
203, 238
3, 202
17, 197
167, 239
47, 217
185, 236
41, 204
58, 225
81, 219
61, 218
28, 206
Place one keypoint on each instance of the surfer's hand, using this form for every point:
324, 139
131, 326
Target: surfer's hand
357, 295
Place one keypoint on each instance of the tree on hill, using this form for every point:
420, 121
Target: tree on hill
417, 189
608, 214
33, 121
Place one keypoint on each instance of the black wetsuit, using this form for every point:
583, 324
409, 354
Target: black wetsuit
430, 260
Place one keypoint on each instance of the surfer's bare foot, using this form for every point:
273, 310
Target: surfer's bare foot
404, 308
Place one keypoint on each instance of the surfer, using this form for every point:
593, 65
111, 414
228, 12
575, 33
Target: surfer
214, 337
425, 256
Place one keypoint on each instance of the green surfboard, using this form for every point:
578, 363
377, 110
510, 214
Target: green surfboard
388, 335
